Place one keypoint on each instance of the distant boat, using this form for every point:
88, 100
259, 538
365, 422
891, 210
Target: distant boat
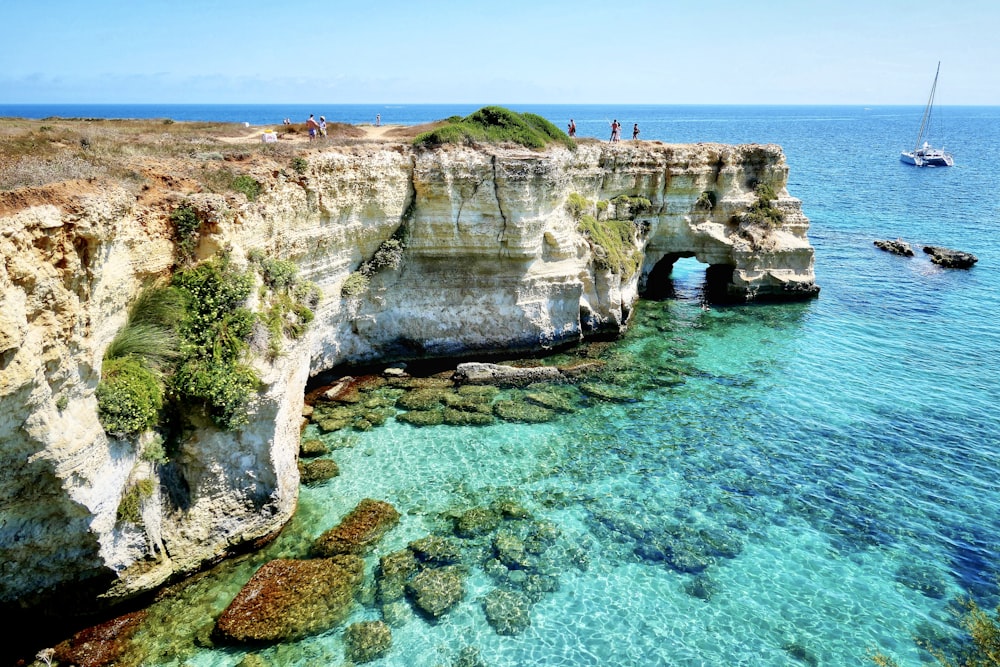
923, 154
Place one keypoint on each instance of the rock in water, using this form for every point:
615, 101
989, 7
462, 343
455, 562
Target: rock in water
897, 247
367, 641
438, 590
359, 530
504, 376
950, 259
290, 599
509, 612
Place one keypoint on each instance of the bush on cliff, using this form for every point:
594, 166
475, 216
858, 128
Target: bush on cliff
214, 335
494, 124
129, 397
762, 212
613, 242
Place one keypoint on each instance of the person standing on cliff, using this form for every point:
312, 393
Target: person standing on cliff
616, 131
572, 128
312, 126
322, 126
378, 119
635, 131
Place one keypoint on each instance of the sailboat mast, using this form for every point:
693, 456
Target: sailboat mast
927, 110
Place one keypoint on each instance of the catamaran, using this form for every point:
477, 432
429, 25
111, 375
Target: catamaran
923, 154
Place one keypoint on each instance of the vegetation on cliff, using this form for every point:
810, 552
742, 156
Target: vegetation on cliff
613, 241
494, 124
185, 345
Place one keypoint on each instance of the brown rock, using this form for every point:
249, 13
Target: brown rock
367, 640
290, 599
100, 645
359, 530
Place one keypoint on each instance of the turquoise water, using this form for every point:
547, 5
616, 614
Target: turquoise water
796, 484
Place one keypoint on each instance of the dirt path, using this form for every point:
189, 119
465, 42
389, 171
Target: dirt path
372, 133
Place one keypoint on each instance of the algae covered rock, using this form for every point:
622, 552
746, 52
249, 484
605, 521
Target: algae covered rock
521, 411
313, 447
436, 550
289, 599
359, 530
394, 570
476, 521
367, 641
320, 470
454, 417
509, 612
435, 591
422, 417
102, 644
504, 376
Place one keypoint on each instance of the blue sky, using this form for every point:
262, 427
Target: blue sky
506, 51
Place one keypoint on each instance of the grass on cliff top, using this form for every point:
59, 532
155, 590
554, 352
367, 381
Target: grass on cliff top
497, 125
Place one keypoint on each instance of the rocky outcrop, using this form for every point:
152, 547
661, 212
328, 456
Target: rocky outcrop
492, 259
951, 259
897, 247
359, 530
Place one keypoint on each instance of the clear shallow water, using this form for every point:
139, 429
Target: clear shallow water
824, 473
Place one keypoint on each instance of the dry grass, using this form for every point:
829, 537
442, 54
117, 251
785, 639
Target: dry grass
39, 152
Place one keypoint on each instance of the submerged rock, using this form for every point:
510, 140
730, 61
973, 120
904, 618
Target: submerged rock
950, 259
897, 247
394, 570
313, 447
359, 530
320, 470
522, 412
476, 521
437, 590
290, 599
100, 645
367, 641
436, 550
509, 612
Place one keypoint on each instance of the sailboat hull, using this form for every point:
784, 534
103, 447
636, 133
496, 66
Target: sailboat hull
927, 158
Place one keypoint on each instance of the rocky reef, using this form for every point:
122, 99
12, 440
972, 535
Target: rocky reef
416, 253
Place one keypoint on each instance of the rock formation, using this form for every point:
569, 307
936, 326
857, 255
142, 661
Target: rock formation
951, 259
488, 256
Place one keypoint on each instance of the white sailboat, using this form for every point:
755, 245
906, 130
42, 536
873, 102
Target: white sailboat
923, 154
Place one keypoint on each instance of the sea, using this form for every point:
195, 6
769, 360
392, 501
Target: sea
801, 484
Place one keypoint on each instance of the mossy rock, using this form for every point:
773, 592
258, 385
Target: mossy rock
476, 522
367, 641
313, 447
509, 612
559, 399
290, 599
608, 392
410, 383
320, 470
422, 399
436, 550
422, 417
510, 509
468, 403
522, 411
393, 571
437, 590
482, 392
360, 530
454, 417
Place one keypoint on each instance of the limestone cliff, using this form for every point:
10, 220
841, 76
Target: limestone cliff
493, 259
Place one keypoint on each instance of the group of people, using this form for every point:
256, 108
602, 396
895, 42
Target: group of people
616, 130
316, 127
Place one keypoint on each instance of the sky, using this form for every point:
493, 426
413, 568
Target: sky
867, 52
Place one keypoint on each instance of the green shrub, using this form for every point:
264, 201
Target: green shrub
614, 242
300, 165
762, 212
130, 506
186, 226
214, 332
493, 124
706, 201
389, 255
247, 185
355, 285
278, 273
627, 207
129, 397
578, 205
154, 451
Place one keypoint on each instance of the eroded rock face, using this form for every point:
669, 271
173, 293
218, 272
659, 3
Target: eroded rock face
493, 260
951, 259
